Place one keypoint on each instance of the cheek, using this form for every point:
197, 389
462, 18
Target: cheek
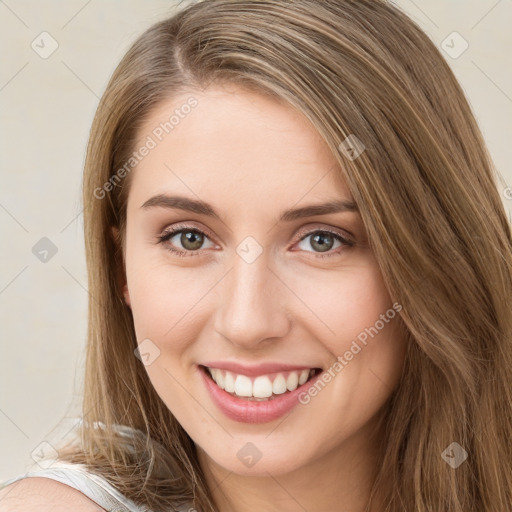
166, 307
355, 320
341, 305
165, 298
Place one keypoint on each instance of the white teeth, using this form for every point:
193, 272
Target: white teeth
229, 382
292, 381
219, 379
279, 385
243, 386
213, 372
303, 377
262, 388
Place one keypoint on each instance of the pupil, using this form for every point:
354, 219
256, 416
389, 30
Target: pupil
322, 246
191, 240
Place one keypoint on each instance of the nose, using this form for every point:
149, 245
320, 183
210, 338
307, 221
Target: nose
251, 306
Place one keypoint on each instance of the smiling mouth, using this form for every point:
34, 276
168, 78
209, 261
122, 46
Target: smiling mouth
262, 387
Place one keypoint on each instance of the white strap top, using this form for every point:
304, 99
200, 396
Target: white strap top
93, 486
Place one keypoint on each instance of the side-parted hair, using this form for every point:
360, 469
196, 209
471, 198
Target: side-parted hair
427, 192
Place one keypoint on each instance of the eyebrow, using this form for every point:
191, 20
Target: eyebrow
197, 206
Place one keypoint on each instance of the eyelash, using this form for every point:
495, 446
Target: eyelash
167, 235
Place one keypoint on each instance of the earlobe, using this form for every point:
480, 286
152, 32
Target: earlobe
121, 274
126, 295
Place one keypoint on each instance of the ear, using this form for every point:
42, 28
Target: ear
120, 271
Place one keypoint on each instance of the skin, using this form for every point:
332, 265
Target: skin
251, 157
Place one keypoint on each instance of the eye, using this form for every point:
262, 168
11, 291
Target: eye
190, 238
323, 241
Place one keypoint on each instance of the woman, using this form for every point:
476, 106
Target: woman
300, 274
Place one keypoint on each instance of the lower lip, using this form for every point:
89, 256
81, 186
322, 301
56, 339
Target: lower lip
250, 411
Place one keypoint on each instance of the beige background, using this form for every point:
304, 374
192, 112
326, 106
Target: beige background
47, 106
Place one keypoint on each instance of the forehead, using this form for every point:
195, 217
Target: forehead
233, 146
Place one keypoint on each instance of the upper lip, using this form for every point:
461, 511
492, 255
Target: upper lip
255, 370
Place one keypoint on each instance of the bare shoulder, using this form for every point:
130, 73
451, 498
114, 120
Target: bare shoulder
44, 495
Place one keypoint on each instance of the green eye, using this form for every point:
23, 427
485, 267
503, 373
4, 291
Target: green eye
322, 241
191, 240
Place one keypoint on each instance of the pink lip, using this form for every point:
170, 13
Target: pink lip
255, 370
247, 411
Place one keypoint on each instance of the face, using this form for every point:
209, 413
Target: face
218, 276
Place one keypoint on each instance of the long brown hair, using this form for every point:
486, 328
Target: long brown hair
427, 192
